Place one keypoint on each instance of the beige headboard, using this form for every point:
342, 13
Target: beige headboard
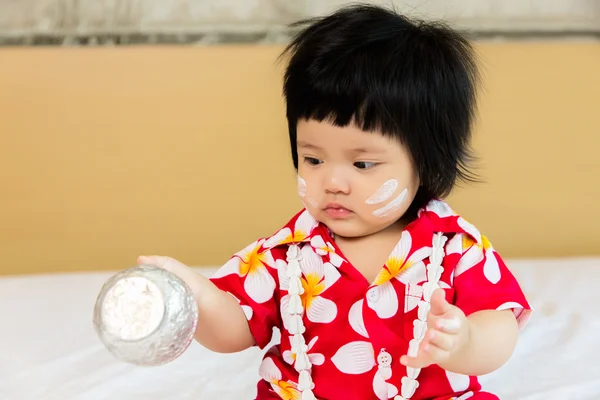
111, 153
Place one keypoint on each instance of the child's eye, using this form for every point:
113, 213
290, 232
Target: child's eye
364, 164
312, 160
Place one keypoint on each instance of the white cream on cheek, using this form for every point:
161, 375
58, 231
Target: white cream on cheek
302, 192
385, 191
392, 206
301, 186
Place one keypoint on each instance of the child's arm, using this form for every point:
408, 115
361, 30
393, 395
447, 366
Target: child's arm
222, 326
492, 337
474, 345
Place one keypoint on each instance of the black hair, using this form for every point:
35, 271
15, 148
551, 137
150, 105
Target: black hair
412, 80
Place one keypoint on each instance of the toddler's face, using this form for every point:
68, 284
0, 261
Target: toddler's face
355, 182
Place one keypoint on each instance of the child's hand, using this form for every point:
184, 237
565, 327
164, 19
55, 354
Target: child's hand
222, 324
447, 333
168, 263
176, 267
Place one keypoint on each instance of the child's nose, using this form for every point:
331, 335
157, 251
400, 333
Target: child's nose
337, 183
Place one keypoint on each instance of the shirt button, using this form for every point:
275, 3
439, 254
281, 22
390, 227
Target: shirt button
384, 359
373, 295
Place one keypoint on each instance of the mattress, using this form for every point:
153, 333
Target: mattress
48, 349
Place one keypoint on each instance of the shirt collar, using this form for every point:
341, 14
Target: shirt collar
440, 217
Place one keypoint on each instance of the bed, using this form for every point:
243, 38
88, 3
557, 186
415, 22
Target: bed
49, 350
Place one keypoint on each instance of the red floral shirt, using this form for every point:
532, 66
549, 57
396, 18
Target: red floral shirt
341, 336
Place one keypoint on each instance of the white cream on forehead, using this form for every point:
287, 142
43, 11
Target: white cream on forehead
392, 206
385, 191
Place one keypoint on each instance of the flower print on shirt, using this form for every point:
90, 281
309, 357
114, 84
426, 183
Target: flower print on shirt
251, 263
402, 267
317, 277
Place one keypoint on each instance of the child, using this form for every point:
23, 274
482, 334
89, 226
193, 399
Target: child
380, 290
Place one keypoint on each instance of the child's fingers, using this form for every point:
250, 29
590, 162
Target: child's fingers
415, 362
447, 325
157, 261
436, 347
167, 263
439, 305
428, 354
434, 353
175, 267
441, 340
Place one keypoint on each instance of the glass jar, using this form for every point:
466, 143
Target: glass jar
146, 316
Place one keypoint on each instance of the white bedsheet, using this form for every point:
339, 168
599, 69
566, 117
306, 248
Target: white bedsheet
48, 349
